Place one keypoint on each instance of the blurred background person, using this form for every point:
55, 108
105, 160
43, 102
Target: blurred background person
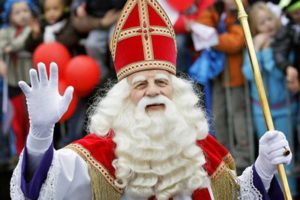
287, 40
96, 18
264, 24
55, 25
16, 17
228, 97
182, 15
286, 47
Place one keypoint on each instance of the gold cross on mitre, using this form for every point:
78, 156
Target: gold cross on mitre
135, 22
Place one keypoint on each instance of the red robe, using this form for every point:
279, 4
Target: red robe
100, 152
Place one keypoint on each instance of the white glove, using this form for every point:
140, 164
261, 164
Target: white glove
45, 105
271, 153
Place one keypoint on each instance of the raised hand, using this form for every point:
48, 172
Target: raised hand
260, 40
45, 105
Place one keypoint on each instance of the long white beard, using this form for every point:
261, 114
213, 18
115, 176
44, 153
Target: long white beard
157, 153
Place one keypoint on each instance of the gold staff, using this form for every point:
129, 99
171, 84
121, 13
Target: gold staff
261, 91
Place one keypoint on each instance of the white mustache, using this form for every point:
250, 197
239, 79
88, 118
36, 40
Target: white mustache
146, 101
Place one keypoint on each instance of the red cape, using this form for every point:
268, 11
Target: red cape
102, 151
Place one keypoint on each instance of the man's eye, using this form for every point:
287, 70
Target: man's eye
139, 86
162, 83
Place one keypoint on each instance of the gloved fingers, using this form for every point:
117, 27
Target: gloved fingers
34, 79
67, 99
25, 88
282, 160
277, 153
269, 135
278, 136
53, 74
278, 145
42, 74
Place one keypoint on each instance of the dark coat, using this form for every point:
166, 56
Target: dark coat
98, 8
68, 36
287, 41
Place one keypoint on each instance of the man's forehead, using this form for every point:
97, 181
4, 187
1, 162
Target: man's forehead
156, 74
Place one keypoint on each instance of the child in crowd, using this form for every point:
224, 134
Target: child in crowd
15, 62
287, 40
264, 24
186, 14
54, 26
97, 17
229, 110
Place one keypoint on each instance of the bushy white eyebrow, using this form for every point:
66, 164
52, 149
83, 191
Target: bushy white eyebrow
161, 76
141, 78
138, 79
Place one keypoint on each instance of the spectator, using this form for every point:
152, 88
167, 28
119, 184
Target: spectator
182, 15
264, 24
97, 19
55, 26
287, 40
286, 47
228, 87
16, 17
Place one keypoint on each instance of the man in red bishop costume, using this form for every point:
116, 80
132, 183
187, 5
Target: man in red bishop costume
148, 136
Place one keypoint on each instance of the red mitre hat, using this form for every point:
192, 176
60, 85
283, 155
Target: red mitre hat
144, 39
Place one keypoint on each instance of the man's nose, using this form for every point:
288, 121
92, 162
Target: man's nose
152, 90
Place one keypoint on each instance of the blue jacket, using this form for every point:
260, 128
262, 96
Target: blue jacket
274, 83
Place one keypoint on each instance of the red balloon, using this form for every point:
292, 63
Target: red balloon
83, 73
180, 5
52, 52
62, 86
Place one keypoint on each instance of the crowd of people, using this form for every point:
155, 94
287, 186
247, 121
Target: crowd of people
221, 69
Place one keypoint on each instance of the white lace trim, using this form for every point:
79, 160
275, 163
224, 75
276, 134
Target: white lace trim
48, 188
15, 182
247, 189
